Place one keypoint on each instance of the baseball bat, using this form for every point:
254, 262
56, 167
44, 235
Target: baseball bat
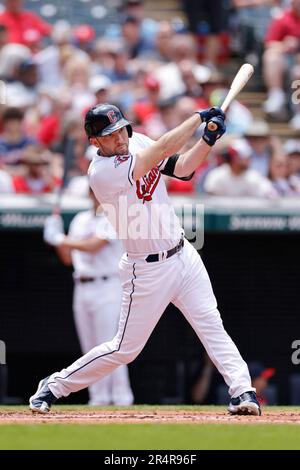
242, 77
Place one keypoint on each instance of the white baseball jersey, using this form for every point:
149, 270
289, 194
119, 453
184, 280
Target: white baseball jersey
141, 212
102, 263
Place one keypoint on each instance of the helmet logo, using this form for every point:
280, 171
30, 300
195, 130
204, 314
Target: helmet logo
112, 116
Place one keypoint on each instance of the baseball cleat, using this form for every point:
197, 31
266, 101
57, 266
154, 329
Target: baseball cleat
245, 404
43, 398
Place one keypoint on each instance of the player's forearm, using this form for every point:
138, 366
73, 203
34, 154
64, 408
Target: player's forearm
64, 254
89, 245
190, 160
167, 145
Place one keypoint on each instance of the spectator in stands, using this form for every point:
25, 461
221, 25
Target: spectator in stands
192, 83
11, 56
253, 18
77, 72
281, 48
278, 174
258, 136
13, 139
163, 41
120, 70
100, 85
78, 184
3, 35
34, 41
103, 59
284, 170
208, 19
47, 117
292, 150
6, 185
135, 9
162, 121
36, 176
147, 106
184, 47
136, 44
18, 21
52, 58
83, 37
235, 178
184, 107
24, 91
73, 140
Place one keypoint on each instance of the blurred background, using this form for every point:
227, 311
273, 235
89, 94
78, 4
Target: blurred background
159, 60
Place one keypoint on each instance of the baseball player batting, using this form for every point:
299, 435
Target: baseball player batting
155, 270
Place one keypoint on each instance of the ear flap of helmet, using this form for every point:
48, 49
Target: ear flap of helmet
88, 129
129, 130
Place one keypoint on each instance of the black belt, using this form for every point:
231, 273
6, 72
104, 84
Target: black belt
155, 257
84, 279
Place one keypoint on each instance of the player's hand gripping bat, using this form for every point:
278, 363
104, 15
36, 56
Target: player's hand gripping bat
242, 77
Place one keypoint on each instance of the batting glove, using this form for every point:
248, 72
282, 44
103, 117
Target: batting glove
210, 137
55, 239
54, 230
207, 114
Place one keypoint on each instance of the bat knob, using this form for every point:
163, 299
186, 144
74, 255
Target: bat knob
212, 126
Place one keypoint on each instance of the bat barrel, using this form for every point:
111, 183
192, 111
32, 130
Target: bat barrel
238, 83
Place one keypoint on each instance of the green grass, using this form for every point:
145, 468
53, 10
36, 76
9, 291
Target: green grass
150, 436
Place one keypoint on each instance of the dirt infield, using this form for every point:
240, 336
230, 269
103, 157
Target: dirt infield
144, 416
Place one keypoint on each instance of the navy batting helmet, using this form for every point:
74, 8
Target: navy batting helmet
104, 119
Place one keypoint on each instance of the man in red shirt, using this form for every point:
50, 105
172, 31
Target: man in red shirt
37, 175
282, 40
18, 22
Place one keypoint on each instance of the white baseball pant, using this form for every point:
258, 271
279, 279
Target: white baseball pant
96, 309
148, 288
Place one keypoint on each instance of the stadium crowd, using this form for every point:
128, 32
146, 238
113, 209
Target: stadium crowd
158, 72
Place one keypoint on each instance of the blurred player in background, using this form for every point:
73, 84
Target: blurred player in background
92, 248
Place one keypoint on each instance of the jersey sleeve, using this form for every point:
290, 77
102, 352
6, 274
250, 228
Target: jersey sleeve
110, 176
